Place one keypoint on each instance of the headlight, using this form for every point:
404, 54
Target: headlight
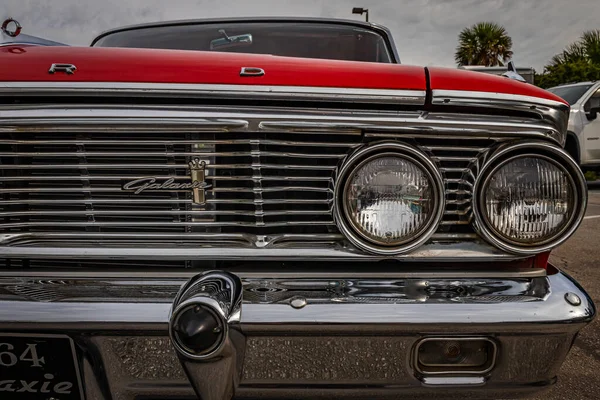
530, 198
391, 198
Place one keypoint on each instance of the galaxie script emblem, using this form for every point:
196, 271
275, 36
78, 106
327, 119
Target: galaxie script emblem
198, 183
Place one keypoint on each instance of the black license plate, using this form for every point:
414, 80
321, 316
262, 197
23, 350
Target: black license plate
38, 367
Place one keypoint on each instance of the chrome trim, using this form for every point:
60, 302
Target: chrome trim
248, 239
252, 71
144, 303
220, 292
150, 201
311, 124
145, 166
511, 73
464, 97
557, 113
175, 223
305, 93
17, 44
175, 178
179, 277
168, 212
522, 149
343, 220
258, 250
455, 372
381, 124
68, 69
173, 154
510, 159
446, 381
121, 328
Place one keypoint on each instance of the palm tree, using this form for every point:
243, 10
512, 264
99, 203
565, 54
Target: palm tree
586, 49
591, 44
579, 62
485, 43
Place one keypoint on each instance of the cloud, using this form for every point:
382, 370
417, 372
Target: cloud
425, 30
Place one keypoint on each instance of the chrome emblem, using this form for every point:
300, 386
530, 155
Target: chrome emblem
68, 69
198, 173
252, 71
198, 184
511, 73
11, 27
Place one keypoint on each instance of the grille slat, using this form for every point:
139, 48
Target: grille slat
263, 183
54, 178
134, 223
159, 213
160, 201
162, 166
215, 190
168, 142
119, 154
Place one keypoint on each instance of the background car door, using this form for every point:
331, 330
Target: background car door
591, 129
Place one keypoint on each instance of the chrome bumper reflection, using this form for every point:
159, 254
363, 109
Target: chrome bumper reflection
304, 338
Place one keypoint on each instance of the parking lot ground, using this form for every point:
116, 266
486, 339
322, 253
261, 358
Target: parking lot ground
580, 257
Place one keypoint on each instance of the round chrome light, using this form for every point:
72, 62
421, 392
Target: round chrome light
389, 198
530, 198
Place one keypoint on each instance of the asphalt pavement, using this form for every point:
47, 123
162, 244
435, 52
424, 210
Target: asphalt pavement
579, 377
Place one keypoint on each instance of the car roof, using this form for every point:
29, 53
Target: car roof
575, 84
362, 24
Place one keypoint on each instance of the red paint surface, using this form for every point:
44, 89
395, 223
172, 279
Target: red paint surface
173, 66
31, 63
541, 260
456, 79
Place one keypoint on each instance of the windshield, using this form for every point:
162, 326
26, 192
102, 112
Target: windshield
291, 39
570, 93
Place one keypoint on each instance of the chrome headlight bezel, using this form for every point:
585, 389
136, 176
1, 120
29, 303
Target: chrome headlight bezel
380, 150
509, 153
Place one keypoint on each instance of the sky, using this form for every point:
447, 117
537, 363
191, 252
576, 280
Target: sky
425, 31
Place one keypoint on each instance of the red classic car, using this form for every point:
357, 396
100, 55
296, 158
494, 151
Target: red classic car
274, 208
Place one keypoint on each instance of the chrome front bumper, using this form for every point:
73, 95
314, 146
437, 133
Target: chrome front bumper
319, 336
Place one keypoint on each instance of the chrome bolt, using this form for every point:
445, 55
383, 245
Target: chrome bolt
298, 303
572, 299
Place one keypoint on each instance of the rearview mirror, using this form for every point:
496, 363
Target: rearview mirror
231, 41
592, 113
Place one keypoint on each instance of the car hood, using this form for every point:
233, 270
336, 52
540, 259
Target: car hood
31, 64
177, 66
456, 80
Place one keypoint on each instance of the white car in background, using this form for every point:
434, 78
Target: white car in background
583, 140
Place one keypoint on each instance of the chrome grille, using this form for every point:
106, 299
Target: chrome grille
459, 161
264, 183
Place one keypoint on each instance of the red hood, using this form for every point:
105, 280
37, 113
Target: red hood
174, 66
31, 63
456, 79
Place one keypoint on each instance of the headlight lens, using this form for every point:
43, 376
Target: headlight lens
529, 200
389, 199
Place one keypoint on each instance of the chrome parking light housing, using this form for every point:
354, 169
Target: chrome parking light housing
410, 164
543, 160
455, 364
201, 313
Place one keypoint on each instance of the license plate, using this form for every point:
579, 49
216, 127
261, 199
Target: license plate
38, 367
